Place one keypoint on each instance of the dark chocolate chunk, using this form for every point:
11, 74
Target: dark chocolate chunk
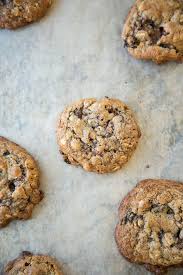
12, 185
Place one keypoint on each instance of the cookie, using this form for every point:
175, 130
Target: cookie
19, 183
17, 13
31, 264
154, 30
99, 135
150, 228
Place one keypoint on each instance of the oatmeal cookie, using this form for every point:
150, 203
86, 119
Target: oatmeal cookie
154, 30
31, 264
99, 135
150, 228
19, 182
17, 13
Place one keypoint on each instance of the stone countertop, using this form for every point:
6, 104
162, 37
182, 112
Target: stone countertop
76, 52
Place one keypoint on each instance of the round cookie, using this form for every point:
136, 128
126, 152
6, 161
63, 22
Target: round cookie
19, 183
150, 228
154, 30
99, 135
31, 264
17, 13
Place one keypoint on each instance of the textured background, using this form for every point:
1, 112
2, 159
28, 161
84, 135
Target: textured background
76, 52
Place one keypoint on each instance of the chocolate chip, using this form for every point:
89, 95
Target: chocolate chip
130, 216
67, 160
27, 264
150, 23
162, 31
161, 235
23, 170
79, 112
155, 208
111, 110
135, 43
169, 210
6, 153
155, 36
126, 45
177, 235
168, 46
12, 185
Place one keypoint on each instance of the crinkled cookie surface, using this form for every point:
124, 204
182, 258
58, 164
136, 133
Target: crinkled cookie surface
19, 182
17, 13
31, 264
154, 30
150, 228
99, 135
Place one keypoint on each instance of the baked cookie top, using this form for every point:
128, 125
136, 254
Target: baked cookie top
19, 182
150, 228
100, 135
31, 264
17, 13
154, 30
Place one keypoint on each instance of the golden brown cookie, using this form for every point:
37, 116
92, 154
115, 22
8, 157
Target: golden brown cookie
99, 135
17, 13
150, 228
154, 30
30, 264
19, 182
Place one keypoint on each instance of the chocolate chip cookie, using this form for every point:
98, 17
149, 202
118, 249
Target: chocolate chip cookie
19, 183
31, 264
99, 135
150, 228
17, 13
154, 30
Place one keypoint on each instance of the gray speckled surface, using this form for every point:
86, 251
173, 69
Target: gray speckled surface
76, 52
